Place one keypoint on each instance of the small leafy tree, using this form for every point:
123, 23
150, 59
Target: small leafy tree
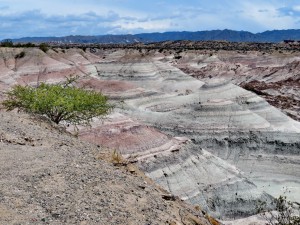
285, 212
58, 102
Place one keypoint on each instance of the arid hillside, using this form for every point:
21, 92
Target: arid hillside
48, 176
183, 117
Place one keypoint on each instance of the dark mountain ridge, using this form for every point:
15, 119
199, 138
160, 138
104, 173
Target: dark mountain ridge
225, 35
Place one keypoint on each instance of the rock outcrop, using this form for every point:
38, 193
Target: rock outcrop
274, 76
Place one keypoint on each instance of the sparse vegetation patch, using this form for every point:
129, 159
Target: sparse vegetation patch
20, 55
286, 212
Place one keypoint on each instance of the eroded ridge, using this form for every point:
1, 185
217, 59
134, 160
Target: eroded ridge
206, 140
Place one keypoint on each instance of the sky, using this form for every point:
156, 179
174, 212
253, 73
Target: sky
41, 18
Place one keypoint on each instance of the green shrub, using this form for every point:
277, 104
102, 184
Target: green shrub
286, 212
58, 102
44, 47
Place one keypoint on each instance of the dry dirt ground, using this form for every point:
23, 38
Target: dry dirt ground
48, 176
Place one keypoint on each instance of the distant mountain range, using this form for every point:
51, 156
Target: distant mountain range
226, 35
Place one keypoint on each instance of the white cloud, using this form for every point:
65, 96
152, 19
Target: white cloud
266, 19
93, 17
124, 26
296, 8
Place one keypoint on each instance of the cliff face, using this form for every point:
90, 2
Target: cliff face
206, 140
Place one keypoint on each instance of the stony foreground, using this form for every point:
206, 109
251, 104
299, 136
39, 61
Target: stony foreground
49, 177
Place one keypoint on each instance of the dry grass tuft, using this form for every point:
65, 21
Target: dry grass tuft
117, 159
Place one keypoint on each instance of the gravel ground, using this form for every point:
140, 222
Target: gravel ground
47, 176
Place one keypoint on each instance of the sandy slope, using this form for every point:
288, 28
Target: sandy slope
48, 176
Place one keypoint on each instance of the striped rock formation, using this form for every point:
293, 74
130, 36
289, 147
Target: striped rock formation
210, 142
